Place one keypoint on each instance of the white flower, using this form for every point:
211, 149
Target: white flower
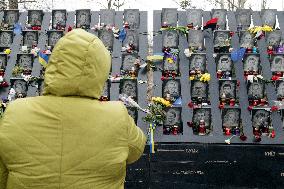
1, 79
214, 55
187, 52
27, 77
228, 141
250, 78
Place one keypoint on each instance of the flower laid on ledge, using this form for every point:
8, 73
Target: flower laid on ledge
205, 77
7, 51
17, 70
164, 102
242, 137
264, 28
3, 83
180, 29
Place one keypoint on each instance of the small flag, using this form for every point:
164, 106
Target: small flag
178, 102
17, 29
122, 35
43, 59
211, 24
238, 54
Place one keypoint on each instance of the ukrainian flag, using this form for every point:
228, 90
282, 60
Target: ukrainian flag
43, 59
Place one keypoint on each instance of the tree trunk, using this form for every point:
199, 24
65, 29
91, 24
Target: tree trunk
109, 4
13, 4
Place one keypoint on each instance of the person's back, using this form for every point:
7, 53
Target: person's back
67, 139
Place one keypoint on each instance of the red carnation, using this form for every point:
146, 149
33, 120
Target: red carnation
69, 29
250, 108
274, 108
275, 78
273, 134
221, 106
190, 105
4, 84
243, 137
162, 78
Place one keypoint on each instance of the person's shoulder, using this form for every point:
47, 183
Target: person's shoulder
115, 106
20, 103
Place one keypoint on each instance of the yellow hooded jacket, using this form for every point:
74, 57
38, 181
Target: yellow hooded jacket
67, 139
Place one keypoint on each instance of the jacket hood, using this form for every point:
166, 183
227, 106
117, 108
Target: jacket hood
78, 66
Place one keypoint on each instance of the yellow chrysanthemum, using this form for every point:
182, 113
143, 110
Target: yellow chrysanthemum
7, 51
170, 60
191, 78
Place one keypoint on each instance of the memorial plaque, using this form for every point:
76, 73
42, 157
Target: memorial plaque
25, 61
200, 114
3, 61
277, 63
132, 37
171, 89
246, 39
6, 38
132, 17
224, 63
255, 90
173, 117
199, 90
83, 18
128, 61
280, 90
227, 89
107, 17
58, 18
20, 86
231, 117
133, 113
221, 15
171, 66
221, 38
128, 87
197, 62
30, 38
268, 17
273, 38
11, 17
106, 36
243, 18
35, 17
194, 17
170, 39
261, 118
196, 39
169, 16
53, 37
251, 63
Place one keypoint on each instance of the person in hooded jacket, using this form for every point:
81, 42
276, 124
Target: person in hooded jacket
67, 138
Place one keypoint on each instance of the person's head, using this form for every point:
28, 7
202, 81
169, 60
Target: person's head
58, 17
277, 64
224, 64
198, 62
172, 87
54, 37
78, 66
227, 88
20, 87
199, 89
171, 117
251, 64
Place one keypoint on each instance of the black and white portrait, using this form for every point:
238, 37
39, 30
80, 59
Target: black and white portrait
11, 17
58, 18
246, 39
133, 113
107, 17
132, 38
227, 89
268, 17
224, 63
35, 17
280, 90
3, 61
171, 87
106, 36
128, 61
251, 63
53, 37
25, 61
171, 66
20, 87
132, 16
6, 38
231, 117
261, 118
255, 90
169, 16
170, 39
194, 16
273, 38
173, 116
30, 38
277, 63
199, 89
195, 38
221, 15
129, 87
202, 114
243, 18
83, 18
220, 38
197, 62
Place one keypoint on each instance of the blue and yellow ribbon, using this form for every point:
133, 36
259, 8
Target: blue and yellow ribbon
151, 138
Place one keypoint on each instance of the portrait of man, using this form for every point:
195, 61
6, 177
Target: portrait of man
170, 39
220, 38
231, 117
251, 63
277, 64
53, 37
132, 17
274, 38
247, 40
83, 17
261, 118
170, 66
224, 63
107, 38
35, 18
21, 88
171, 87
198, 62
202, 114
195, 38
3, 61
256, 90
194, 16
107, 16
172, 116
11, 17
227, 89
25, 61
280, 90
129, 88
169, 16
128, 61
243, 18
30, 38
199, 89
221, 15
269, 17
59, 17
131, 38
6, 39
